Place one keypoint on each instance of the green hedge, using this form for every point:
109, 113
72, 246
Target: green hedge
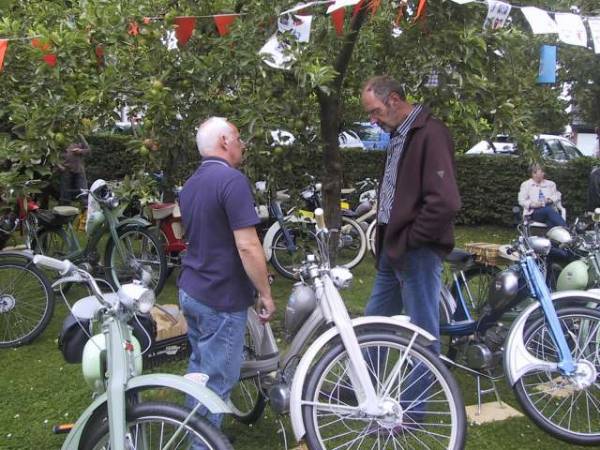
488, 184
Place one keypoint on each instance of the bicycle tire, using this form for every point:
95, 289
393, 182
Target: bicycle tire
247, 400
286, 262
322, 395
352, 237
15, 278
96, 433
51, 242
479, 278
118, 272
371, 242
559, 388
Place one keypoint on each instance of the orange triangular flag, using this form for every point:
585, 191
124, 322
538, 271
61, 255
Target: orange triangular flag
184, 28
3, 47
223, 22
421, 9
337, 17
373, 6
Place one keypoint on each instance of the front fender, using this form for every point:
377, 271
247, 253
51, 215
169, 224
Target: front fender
399, 324
201, 393
517, 359
133, 222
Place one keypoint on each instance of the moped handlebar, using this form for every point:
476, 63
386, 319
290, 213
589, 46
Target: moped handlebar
61, 266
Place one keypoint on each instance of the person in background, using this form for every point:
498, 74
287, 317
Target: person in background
224, 263
538, 197
72, 172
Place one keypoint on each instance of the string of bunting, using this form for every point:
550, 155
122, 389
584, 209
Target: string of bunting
569, 26
297, 20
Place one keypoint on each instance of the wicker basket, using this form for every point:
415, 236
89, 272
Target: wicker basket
485, 253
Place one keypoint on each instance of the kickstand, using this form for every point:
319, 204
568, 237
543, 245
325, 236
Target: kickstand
481, 392
282, 429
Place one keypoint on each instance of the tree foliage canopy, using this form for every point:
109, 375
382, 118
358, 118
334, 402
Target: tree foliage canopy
486, 80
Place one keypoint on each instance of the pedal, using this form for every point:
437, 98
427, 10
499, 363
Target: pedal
64, 428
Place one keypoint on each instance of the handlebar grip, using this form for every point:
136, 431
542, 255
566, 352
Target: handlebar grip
320, 218
61, 266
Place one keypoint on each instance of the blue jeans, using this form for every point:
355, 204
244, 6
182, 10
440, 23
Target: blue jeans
549, 216
217, 344
413, 290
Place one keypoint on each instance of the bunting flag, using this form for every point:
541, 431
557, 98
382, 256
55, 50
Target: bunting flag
223, 22
337, 18
184, 27
44, 47
299, 26
338, 4
3, 47
274, 54
539, 20
421, 8
497, 14
571, 29
593, 23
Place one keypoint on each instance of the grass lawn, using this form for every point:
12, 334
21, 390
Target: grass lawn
41, 390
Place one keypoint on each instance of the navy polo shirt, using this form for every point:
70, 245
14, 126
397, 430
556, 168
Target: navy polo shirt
214, 202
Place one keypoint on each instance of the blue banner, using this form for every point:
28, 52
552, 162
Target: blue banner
547, 73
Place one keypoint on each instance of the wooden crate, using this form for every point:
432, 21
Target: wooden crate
485, 253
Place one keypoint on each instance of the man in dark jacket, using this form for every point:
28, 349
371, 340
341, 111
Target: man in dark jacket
418, 199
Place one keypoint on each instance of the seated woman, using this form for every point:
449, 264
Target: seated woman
538, 198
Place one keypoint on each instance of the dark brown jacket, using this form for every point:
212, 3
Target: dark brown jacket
426, 198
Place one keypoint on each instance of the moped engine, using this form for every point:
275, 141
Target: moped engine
487, 353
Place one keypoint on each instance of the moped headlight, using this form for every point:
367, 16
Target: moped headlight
136, 296
113, 202
341, 277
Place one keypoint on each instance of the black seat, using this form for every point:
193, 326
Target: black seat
459, 257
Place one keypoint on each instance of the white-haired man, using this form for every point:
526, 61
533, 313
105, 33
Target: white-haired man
224, 263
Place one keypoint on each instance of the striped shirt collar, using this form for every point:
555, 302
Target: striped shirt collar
403, 128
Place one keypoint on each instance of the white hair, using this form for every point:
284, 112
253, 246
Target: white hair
209, 133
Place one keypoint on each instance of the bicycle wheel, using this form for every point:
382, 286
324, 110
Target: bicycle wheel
566, 407
144, 251
371, 243
423, 404
287, 261
52, 242
475, 287
26, 303
152, 424
246, 399
352, 244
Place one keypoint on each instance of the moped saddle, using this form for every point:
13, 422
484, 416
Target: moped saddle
459, 257
66, 211
162, 210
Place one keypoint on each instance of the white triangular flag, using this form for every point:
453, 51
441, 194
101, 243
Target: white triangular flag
594, 24
571, 29
341, 4
299, 26
273, 54
497, 14
539, 20
463, 2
